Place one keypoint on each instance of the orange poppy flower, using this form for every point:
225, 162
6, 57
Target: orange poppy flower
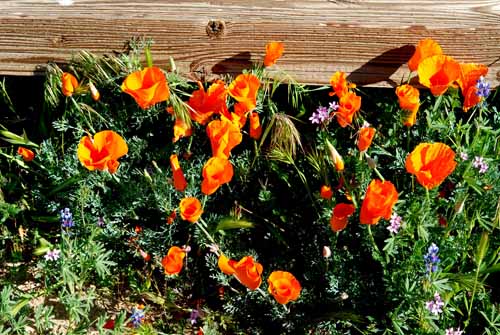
431, 163
181, 129
216, 171
190, 209
180, 182
365, 138
326, 192
379, 199
409, 99
349, 104
425, 48
339, 84
283, 286
205, 104
238, 117
69, 84
248, 272
102, 151
26, 153
274, 50
224, 136
340, 215
148, 86
173, 261
255, 126
438, 72
226, 265
244, 89
469, 75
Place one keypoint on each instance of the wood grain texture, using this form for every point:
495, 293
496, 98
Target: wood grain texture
369, 39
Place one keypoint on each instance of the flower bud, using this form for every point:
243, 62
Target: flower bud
148, 176
94, 92
337, 160
326, 252
372, 164
459, 206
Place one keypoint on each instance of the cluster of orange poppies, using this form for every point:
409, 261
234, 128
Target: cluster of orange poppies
431, 163
282, 285
349, 102
438, 72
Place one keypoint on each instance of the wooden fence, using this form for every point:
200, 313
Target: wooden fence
370, 39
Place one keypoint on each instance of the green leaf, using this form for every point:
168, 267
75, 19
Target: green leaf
491, 269
16, 139
232, 223
43, 248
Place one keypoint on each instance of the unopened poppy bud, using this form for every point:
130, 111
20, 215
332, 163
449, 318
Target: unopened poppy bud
326, 252
372, 164
459, 206
94, 92
337, 160
145, 255
155, 165
148, 176
186, 248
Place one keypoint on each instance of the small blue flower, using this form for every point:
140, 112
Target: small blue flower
66, 218
483, 88
431, 259
137, 316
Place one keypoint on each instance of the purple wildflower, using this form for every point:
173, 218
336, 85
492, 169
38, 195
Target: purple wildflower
66, 218
320, 116
464, 156
435, 306
483, 88
452, 331
137, 316
194, 316
52, 255
480, 164
395, 223
333, 106
100, 222
432, 259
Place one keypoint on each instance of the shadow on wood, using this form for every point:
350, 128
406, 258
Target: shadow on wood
382, 67
234, 65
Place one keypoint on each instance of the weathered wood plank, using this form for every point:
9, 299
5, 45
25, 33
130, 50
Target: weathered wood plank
370, 39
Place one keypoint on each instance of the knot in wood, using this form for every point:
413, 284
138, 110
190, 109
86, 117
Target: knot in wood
215, 28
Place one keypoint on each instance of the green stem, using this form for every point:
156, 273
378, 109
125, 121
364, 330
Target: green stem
349, 190
149, 58
206, 232
469, 310
378, 254
379, 174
